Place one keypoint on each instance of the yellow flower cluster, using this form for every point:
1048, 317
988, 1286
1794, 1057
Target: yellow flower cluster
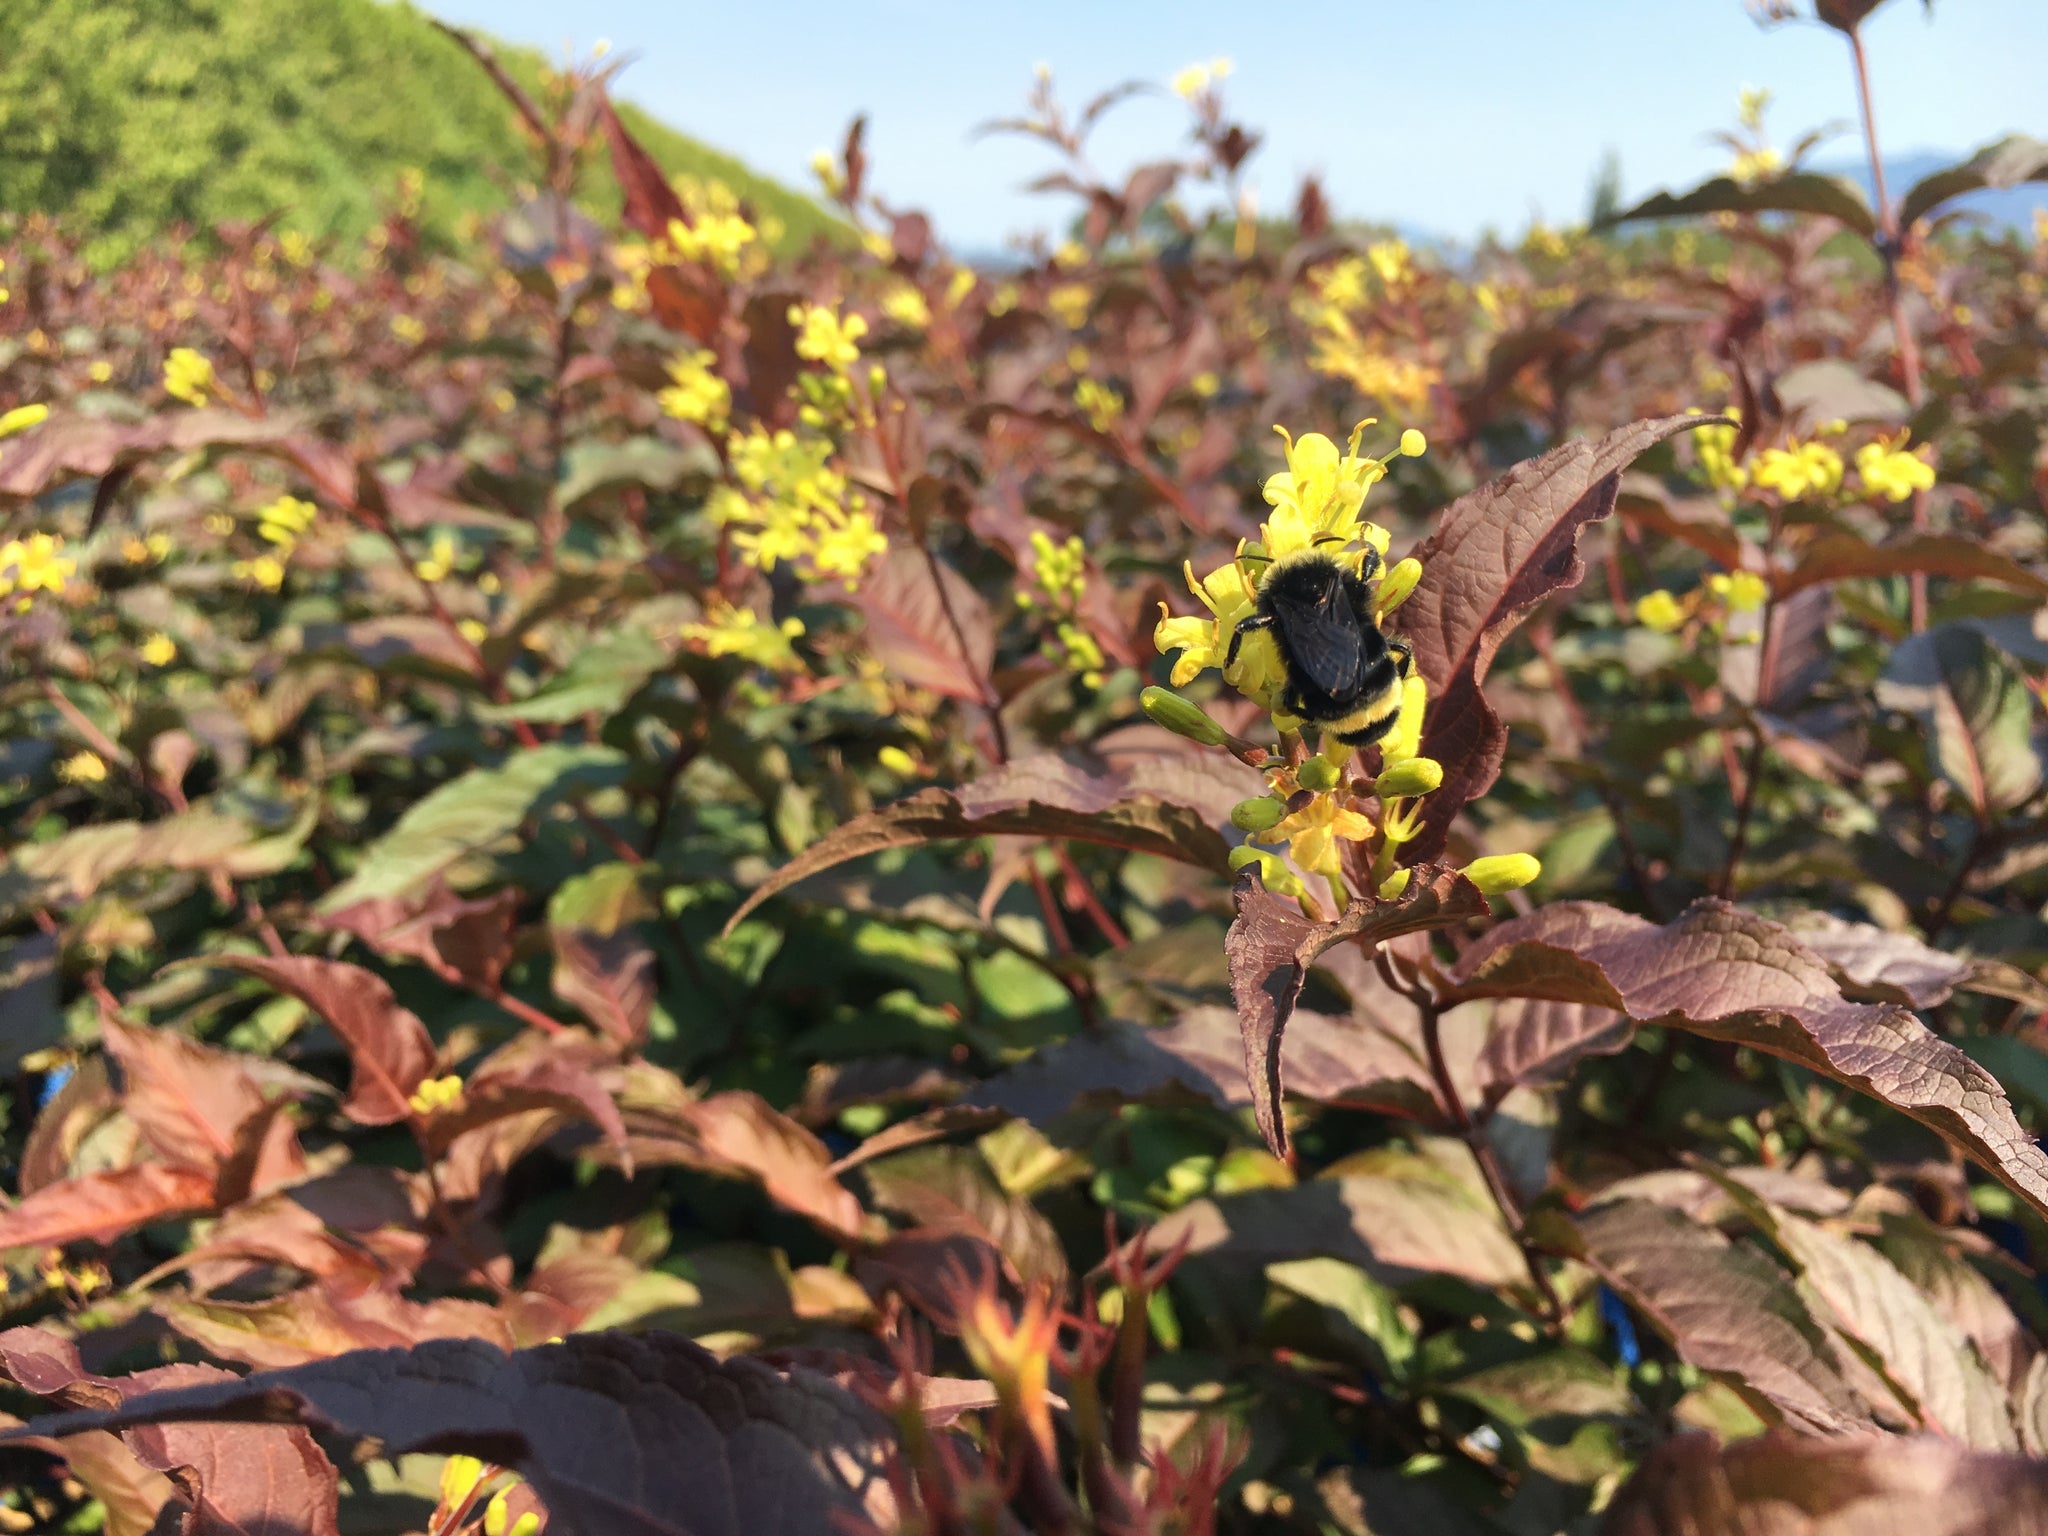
436, 1094
1314, 806
718, 240
824, 337
696, 393
31, 565
440, 560
729, 631
1800, 471
907, 307
791, 505
1070, 302
1888, 470
1101, 403
1738, 592
1059, 576
1197, 78
1341, 349
282, 523
189, 376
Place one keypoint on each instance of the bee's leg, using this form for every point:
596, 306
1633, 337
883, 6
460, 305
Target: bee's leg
1368, 563
1256, 621
1403, 654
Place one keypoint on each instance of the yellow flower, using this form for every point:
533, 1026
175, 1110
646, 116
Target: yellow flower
432, 1096
1754, 165
159, 650
475, 631
1204, 642
959, 285
1313, 833
459, 1474
439, 562
1886, 469
897, 761
83, 768
1715, 446
1391, 261
1659, 611
906, 306
498, 1519
408, 329
1742, 591
1191, 82
823, 337
717, 239
1405, 739
34, 564
188, 376
696, 393
265, 571
1320, 493
1070, 302
1102, 404
21, 418
283, 520
1205, 384
1396, 587
1799, 471
730, 631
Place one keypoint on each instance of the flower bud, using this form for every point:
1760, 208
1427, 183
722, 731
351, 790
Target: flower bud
1319, 774
1180, 717
1394, 884
1397, 586
1257, 815
1502, 872
1416, 776
1275, 876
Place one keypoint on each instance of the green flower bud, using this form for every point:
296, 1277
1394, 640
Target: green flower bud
1416, 776
1318, 774
1397, 586
1394, 884
1257, 815
1180, 717
1502, 872
1275, 876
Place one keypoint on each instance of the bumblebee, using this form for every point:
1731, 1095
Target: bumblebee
1342, 674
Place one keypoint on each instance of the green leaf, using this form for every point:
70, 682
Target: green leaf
597, 681
1359, 1300
1794, 192
469, 815
591, 467
1976, 710
2006, 163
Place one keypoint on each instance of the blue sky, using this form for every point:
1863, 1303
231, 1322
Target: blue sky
1443, 115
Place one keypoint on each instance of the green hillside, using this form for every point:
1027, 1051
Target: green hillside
126, 116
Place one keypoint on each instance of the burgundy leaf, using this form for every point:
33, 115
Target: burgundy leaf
1725, 1308
390, 1047
103, 1206
1535, 1042
189, 1100
1730, 975
1271, 947
256, 1479
1863, 1485
928, 626
622, 1434
953, 1190
1497, 553
1139, 822
464, 941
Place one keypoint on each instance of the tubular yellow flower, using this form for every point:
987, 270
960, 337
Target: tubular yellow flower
1190, 82
459, 1477
897, 761
1742, 591
439, 562
1659, 611
22, 417
1313, 833
498, 1519
1405, 739
83, 768
265, 571
1396, 587
1502, 872
1320, 493
1071, 303
1715, 446
284, 520
159, 650
188, 376
1204, 642
1885, 468
907, 307
1101, 403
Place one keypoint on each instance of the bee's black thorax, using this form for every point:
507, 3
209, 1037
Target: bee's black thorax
1342, 674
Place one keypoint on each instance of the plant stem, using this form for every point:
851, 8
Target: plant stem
1889, 248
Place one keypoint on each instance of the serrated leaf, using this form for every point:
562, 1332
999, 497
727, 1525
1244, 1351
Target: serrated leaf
1975, 709
1727, 974
2010, 161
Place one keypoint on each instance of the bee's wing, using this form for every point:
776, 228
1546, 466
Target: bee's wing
1327, 643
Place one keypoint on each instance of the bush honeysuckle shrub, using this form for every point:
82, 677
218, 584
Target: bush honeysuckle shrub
611, 817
